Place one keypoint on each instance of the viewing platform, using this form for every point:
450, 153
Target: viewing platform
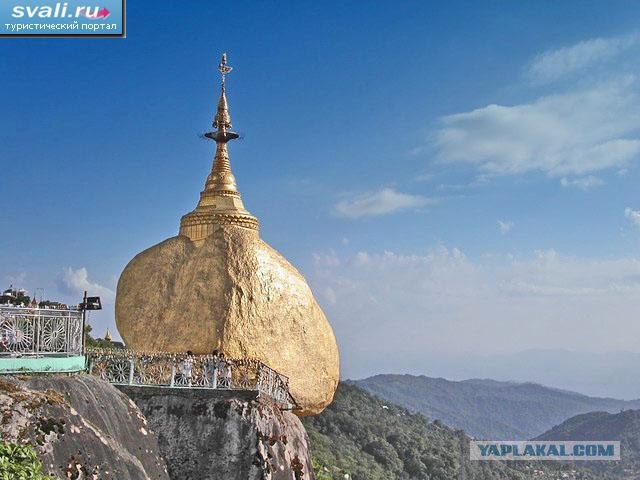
50, 340
201, 374
41, 340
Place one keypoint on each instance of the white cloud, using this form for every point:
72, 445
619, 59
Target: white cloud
329, 259
479, 181
330, 295
632, 215
583, 183
505, 227
558, 63
424, 177
382, 202
589, 127
574, 133
75, 282
444, 301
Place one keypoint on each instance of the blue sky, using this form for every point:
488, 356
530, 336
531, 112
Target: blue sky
452, 177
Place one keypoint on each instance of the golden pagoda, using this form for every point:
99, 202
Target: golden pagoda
220, 202
218, 286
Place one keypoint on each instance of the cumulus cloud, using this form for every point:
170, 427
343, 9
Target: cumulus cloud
632, 215
442, 301
73, 282
505, 227
583, 183
575, 133
588, 126
558, 63
76, 281
381, 202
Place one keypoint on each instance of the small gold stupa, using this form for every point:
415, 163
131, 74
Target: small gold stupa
218, 285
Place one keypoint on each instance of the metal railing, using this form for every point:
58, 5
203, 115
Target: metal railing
173, 370
40, 331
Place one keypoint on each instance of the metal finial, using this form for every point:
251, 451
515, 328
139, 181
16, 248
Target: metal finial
222, 120
223, 68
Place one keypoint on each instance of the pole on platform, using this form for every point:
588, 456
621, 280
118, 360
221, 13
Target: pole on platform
84, 323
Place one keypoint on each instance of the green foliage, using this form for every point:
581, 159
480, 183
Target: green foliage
22, 299
623, 426
15, 298
322, 472
95, 342
98, 343
361, 437
19, 462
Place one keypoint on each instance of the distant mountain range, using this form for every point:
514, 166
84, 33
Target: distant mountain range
623, 426
487, 408
604, 374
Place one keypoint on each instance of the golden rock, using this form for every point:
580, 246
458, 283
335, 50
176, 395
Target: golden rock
217, 285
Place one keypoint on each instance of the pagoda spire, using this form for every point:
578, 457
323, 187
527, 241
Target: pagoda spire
221, 178
222, 120
220, 202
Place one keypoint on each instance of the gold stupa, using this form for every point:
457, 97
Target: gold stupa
218, 285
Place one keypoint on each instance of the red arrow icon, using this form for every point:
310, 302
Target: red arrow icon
103, 13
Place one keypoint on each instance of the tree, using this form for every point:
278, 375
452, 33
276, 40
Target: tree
95, 342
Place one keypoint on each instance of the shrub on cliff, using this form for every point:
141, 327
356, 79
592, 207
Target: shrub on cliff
322, 472
19, 462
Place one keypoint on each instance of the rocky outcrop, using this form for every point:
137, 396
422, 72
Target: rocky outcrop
207, 435
81, 427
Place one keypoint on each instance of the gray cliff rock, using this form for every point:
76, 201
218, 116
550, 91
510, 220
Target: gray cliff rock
205, 435
81, 427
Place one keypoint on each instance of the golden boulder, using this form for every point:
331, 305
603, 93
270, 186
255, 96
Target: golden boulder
217, 285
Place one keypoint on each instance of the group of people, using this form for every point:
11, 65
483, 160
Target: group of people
217, 370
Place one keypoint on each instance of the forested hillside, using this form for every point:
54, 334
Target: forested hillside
362, 436
623, 427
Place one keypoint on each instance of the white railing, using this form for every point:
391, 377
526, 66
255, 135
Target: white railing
40, 331
173, 370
